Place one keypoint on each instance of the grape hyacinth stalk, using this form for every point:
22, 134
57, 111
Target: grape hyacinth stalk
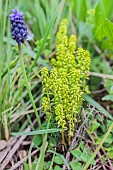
19, 33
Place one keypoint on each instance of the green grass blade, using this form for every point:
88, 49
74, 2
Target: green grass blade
8, 60
40, 164
36, 132
97, 105
3, 17
1, 63
49, 28
12, 65
29, 88
40, 15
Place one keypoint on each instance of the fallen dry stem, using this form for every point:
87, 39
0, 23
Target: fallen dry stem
19, 163
99, 155
98, 148
14, 148
104, 76
10, 143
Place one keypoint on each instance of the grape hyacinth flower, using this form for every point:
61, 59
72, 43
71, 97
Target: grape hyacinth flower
18, 29
19, 33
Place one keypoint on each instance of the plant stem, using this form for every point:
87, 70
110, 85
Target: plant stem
28, 87
98, 148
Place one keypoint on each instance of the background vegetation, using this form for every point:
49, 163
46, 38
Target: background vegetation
31, 148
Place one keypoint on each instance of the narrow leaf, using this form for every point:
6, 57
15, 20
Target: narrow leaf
98, 106
48, 30
36, 132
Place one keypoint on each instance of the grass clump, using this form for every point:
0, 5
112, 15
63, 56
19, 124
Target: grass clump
65, 84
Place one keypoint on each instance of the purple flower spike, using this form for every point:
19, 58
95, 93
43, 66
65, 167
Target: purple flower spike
18, 29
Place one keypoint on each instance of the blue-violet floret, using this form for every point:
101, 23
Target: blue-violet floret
18, 29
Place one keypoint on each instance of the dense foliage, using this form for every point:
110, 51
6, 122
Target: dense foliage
56, 91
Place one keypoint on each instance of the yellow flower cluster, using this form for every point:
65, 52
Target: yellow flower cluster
63, 86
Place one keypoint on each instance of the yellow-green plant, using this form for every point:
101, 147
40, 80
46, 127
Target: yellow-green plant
65, 84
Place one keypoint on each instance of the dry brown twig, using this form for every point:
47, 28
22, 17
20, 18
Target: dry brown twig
75, 138
111, 167
13, 148
10, 143
23, 160
101, 75
99, 155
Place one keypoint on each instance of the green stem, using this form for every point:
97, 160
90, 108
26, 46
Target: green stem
2, 32
29, 88
98, 148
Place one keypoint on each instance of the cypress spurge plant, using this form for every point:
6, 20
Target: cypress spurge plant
65, 84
